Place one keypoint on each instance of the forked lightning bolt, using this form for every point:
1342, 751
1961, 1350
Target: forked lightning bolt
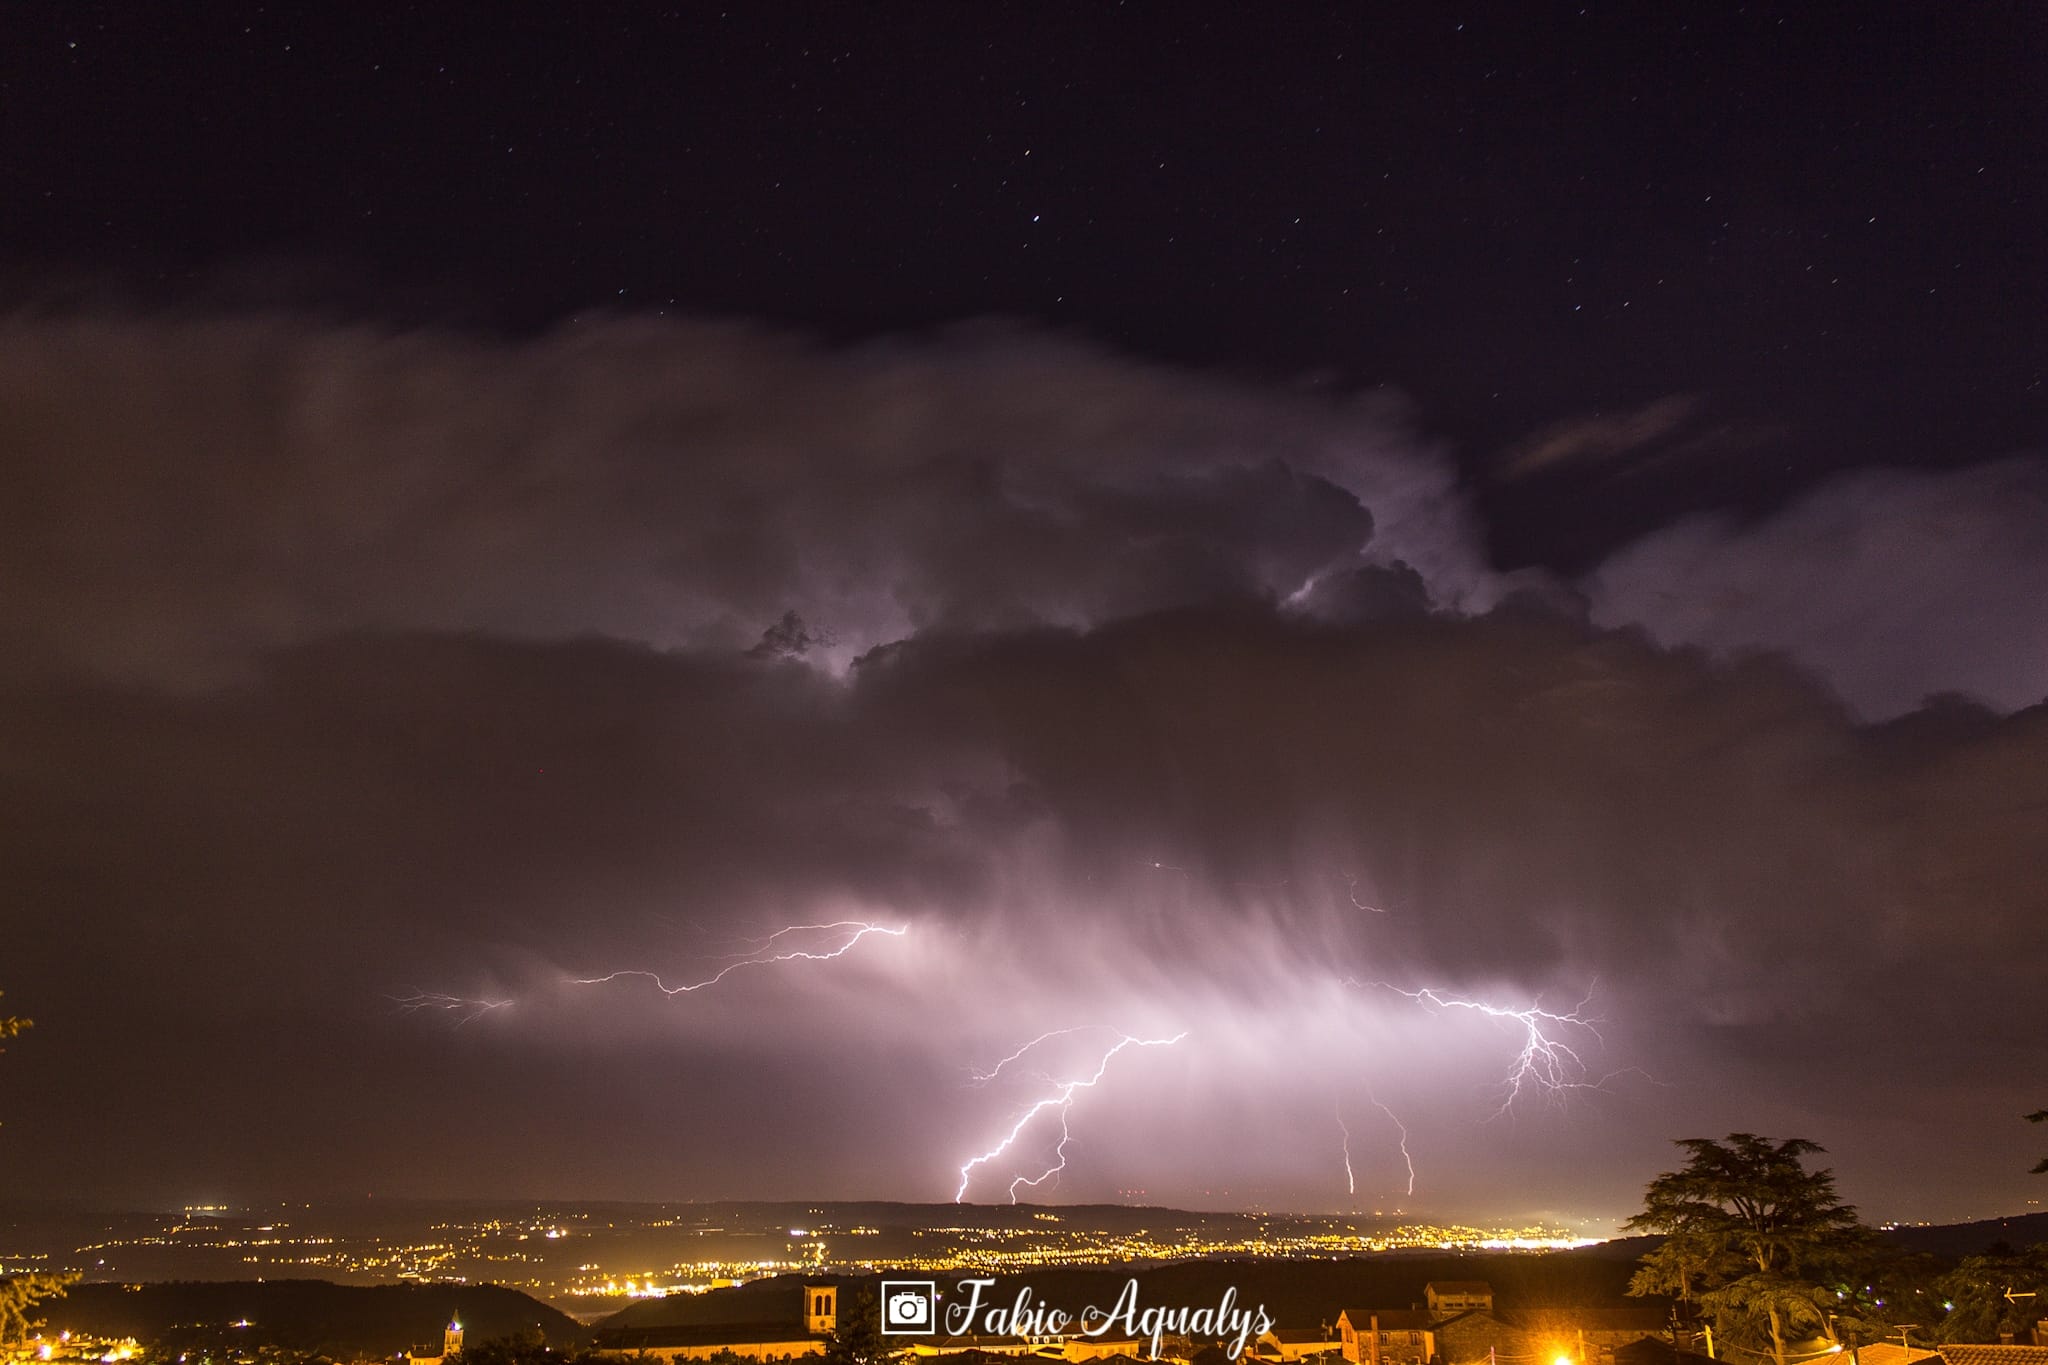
1059, 1153
1547, 1061
464, 1009
1062, 1100
764, 954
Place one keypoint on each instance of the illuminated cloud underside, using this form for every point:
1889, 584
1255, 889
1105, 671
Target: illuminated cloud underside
463, 672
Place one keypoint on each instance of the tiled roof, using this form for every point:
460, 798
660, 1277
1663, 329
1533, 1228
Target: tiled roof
1988, 1355
1391, 1319
1473, 1317
1657, 1350
1891, 1353
1458, 1287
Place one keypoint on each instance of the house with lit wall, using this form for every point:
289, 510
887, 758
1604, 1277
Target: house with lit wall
1387, 1336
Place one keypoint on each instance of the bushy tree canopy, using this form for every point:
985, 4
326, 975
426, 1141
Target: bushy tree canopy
1745, 1223
19, 1295
521, 1348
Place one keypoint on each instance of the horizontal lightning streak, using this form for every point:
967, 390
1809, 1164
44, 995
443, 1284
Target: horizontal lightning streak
859, 929
466, 1009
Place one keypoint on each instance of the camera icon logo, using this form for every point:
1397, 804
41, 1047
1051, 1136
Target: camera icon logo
910, 1308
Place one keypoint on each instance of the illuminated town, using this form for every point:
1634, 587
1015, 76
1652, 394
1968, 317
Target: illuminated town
573, 1255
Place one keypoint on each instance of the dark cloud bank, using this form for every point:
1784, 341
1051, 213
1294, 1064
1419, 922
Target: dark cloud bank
343, 664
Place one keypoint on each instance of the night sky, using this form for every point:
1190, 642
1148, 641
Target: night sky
1266, 527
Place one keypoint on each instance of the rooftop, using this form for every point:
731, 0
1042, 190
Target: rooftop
700, 1334
1390, 1319
1987, 1355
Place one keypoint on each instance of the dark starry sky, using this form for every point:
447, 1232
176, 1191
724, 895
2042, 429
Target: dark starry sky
1819, 225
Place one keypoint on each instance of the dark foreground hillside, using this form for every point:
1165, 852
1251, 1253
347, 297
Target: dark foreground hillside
305, 1315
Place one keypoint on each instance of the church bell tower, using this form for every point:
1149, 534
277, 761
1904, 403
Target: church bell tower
821, 1307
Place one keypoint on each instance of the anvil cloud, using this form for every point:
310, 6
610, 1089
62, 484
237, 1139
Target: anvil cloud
345, 664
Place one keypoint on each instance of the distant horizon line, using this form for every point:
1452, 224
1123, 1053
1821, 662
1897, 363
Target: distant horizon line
119, 1204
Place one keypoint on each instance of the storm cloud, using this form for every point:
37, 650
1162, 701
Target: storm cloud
346, 665
190, 491
1891, 584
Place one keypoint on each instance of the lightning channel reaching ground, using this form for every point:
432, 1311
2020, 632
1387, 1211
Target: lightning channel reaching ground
765, 953
1061, 1100
1399, 1127
1350, 1178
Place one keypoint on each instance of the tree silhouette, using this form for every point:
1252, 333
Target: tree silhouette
19, 1295
2001, 1291
528, 1346
1743, 1220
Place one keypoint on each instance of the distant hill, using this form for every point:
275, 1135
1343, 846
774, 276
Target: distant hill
306, 1315
779, 1299
1972, 1239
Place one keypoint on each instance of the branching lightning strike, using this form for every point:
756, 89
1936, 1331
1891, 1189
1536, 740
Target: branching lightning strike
764, 954
1062, 1100
984, 1077
1547, 1061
